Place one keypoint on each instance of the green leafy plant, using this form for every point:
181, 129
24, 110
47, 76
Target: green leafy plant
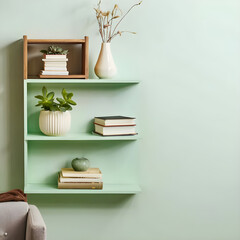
47, 101
54, 50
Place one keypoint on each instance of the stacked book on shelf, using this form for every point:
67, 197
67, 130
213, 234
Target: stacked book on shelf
55, 65
71, 179
115, 126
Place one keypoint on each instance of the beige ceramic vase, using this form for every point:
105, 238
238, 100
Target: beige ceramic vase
105, 66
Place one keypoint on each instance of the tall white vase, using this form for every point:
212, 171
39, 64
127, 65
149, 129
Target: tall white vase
105, 66
54, 123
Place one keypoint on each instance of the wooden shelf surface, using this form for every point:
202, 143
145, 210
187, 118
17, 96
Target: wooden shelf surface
79, 137
35, 188
62, 76
83, 81
59, 41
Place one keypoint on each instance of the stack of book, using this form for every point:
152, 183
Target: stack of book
115, 126
71, 179
55, 65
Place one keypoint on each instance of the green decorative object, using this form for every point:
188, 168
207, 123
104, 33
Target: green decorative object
80, 164
54, 50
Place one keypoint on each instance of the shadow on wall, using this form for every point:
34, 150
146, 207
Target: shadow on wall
14, 88
82, 201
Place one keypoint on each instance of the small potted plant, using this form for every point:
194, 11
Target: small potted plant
54, 50
55, 118
55, 61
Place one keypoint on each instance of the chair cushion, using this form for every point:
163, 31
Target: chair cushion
13, 218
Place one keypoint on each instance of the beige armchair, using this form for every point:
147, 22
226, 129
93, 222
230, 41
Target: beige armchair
20, 221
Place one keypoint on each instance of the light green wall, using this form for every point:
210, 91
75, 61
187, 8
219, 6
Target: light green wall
186, 53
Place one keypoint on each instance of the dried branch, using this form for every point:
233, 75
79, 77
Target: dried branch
106, 20
125, 15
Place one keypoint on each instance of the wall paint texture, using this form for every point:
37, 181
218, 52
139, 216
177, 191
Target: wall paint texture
187, 55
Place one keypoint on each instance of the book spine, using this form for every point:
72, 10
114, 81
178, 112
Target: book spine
55, 72
55, 64
112, 135
129, 125
80, 185
79, 180
56, 60
48, 56
55, 68
76, 175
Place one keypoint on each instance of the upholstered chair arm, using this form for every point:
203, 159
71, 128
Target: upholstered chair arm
36, 228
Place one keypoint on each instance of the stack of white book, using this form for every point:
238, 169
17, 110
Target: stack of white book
71, 179
55, 65
115, 126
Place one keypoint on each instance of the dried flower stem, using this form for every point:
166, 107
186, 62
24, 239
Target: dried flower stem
119, 33
125, 16
106, 20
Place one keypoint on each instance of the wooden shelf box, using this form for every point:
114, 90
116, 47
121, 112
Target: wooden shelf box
78, 57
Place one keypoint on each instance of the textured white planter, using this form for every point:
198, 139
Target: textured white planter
105, 66
54, 123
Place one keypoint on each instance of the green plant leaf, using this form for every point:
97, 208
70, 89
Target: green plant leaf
62, 109
50, 95
54, 50
69, 95
54, 108
67, 106
65, 52
44, 91
44, 51
60, 100
64, 94
59, 49
71, 102
39, 97
47, 101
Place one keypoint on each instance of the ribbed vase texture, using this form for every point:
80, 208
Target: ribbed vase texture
54, 123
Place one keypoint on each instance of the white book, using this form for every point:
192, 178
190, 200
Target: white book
55, 64
55, 68
55, 72
115, 131
58, 56
55, 60
77, 179
115, 121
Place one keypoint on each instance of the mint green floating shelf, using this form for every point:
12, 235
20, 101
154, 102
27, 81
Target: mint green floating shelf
116, 156
107, 189
79, 137
82, 81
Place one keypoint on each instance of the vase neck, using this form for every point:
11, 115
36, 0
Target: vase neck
106, 47
106, 44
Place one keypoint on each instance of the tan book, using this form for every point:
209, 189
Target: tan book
77, 180
94, 185
90, 173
